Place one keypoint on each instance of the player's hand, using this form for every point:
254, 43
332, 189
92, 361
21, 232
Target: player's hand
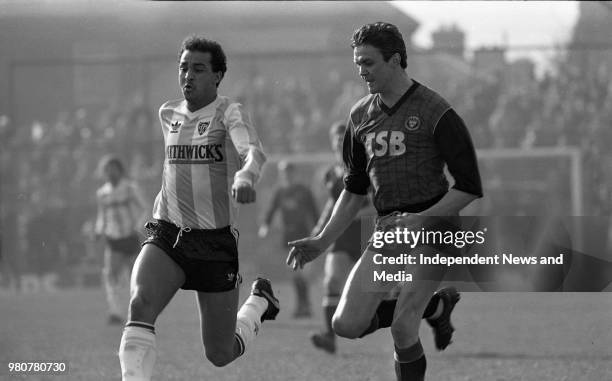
243, 192
303, 251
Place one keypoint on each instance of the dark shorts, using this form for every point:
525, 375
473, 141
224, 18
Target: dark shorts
350, 241
209, 257
128, 245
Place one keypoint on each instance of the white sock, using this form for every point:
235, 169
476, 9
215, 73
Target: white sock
137, 351
248, 321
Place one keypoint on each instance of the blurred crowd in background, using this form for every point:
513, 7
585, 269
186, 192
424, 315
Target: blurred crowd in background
51, 165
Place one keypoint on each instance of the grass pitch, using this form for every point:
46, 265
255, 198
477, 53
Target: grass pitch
500, 336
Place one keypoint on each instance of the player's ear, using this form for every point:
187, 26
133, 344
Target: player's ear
219, 75
396, 59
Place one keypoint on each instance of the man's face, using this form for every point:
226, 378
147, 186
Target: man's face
112, 173
373, 69
197, 80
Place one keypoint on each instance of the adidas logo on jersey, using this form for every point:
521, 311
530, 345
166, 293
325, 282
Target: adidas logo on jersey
175, 125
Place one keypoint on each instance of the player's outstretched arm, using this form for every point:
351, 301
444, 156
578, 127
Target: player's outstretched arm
305, 250
324, 217
308, 249
249, 147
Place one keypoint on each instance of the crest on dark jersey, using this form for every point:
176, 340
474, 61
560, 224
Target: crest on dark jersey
413, 123
203, 126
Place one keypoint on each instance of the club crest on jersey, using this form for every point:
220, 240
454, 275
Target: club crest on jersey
175, 126
203, 126
413, 123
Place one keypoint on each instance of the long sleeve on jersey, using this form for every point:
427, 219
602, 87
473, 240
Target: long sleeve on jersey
455, 145
247, 144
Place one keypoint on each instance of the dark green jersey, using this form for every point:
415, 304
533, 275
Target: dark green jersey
401, 151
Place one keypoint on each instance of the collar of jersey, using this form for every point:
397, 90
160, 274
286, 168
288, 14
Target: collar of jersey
391, 110
199, 112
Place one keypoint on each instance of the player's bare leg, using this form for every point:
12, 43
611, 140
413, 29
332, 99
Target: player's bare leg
226, 331
360, 299
155, 279
218, 322
337, 268
414, 297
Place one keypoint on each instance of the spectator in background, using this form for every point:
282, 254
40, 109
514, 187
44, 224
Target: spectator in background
299, 215
345, 251
121, 208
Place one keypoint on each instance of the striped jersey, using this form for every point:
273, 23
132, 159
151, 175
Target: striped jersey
206, 151
119, 209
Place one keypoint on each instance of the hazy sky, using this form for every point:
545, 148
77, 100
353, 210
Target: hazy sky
485, 22
496, 22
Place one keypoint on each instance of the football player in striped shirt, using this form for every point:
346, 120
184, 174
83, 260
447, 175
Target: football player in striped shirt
213, 160
398, 140
121, 210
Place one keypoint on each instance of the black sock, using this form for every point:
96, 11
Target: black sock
383, 316
411, 371
410, 363
432, 306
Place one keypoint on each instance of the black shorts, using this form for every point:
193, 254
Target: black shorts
129, 245
350, 241
209, 257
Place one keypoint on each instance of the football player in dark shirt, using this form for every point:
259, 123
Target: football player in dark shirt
345, 251
299, 214
398, 140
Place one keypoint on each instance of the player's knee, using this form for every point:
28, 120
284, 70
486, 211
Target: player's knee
347, 328
219, 358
